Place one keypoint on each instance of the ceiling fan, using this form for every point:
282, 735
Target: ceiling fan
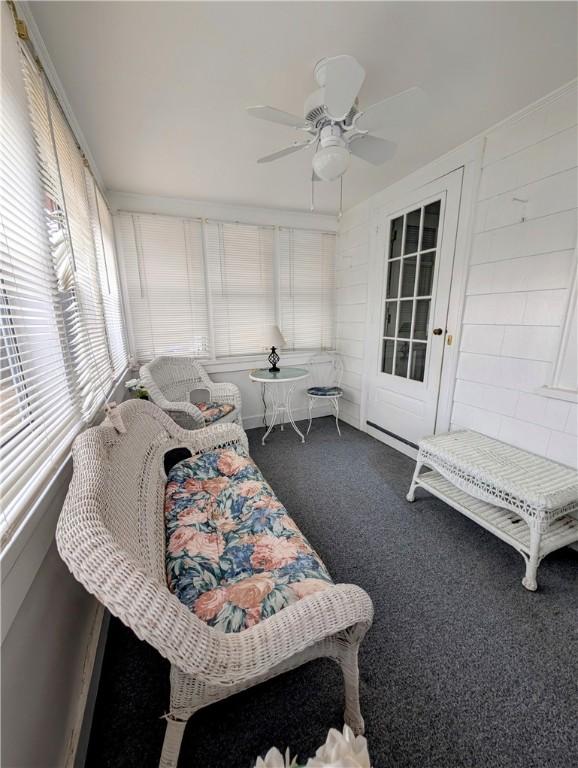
337, 127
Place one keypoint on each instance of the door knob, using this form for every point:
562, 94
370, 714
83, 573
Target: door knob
437, 331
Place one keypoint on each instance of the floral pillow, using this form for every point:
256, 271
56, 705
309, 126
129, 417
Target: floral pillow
214, 411
234, 556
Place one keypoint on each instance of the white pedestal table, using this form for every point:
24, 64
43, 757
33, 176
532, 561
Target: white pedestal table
279, 387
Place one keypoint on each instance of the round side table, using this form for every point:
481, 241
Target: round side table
279, 386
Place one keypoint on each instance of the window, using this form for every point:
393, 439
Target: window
68, 219
56, 364
306, 277
38, 408
162, 263
409, 286
209, 288
240, 265
103, 235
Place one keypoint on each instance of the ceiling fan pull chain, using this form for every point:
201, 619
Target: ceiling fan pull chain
340, 198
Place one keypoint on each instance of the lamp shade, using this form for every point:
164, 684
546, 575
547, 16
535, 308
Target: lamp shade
272, 337
331, 162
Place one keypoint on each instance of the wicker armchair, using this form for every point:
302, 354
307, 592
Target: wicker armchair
170, 381
111, 536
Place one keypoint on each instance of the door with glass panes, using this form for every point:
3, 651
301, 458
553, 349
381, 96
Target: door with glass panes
416, 252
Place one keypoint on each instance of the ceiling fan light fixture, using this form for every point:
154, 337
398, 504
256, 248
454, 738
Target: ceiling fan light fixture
329, 163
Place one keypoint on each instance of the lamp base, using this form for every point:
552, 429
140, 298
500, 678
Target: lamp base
273, 359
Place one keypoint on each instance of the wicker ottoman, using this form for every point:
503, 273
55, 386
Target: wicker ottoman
524, 499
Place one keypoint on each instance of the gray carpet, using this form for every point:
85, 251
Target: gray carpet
462, 668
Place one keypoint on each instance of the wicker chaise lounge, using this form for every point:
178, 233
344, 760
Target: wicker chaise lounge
170, 380
111, 534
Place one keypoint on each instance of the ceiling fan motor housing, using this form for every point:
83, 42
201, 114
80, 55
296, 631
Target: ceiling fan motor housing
315, 110
332, 159
331, 136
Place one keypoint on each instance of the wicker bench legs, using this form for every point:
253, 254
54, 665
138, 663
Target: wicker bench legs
172, 743
343, 648
533, 560
532, 541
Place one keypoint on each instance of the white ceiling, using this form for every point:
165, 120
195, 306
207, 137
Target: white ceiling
159, 88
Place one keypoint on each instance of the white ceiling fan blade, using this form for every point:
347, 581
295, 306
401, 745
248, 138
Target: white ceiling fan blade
371, 149
278, 116
343, 77
393, 116
283, 152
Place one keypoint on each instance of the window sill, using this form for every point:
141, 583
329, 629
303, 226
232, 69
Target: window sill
556, 393
248, 362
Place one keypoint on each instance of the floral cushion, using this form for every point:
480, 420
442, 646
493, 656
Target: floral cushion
214, 411
325, 391
234, 556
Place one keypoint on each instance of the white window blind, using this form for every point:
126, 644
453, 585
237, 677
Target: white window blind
240, 265
103, 235
162, 263
61, 335
39, 411
210, 289
72, 243
306, 272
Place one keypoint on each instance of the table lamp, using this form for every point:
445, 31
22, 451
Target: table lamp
273, 337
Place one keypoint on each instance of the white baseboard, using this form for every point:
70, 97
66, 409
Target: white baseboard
349, 420
79, 736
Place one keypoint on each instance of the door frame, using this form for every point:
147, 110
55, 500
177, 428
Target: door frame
469, 158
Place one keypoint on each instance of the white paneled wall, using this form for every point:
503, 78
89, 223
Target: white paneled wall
351, 279
522, 260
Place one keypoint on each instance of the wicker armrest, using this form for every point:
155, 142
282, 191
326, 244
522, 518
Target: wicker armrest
225, 393
230, 658
208, 438
183, 407
293, 629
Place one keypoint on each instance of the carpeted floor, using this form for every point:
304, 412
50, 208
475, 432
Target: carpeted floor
462, 667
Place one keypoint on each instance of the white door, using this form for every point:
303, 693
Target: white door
415, 254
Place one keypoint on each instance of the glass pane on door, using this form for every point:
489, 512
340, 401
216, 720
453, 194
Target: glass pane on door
390, 317
409, 286
393, 279
431, 220
395, 234
421, 319
387, 360
401, 358
412, 221
417, 367
426, 273
405, 313
408, 276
